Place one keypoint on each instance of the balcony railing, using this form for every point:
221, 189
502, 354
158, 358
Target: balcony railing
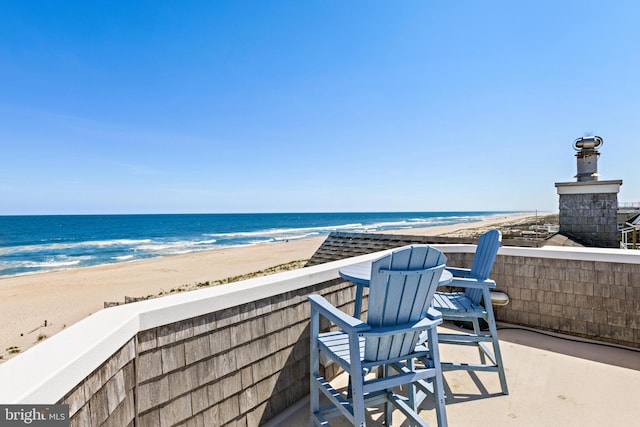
629, 205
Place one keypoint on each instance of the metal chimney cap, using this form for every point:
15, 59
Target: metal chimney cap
587, 142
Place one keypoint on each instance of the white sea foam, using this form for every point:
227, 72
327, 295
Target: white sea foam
257, 242
276, 231
50, 262
71, 245
295, 237
176, 247
206, 242
301, 233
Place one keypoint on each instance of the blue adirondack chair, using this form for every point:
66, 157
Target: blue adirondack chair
400, 293
474, 304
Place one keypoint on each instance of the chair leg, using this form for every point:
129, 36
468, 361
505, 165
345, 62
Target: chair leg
438, 384
496, 349
493, 330
359, 410
411, 389
388, 407
478, 332
357, 379
314, 394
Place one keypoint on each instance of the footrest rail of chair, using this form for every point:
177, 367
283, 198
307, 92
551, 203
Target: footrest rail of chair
463, 339
398, 401
425, 373
330, 411
407, 377
449, 366
319, 421
425, 388
340, 405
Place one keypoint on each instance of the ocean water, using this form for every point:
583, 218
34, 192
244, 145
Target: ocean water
33, 244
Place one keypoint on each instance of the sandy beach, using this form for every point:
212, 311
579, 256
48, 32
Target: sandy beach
38, 306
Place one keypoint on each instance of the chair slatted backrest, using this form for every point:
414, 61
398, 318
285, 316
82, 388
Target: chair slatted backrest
486, 252
402, 287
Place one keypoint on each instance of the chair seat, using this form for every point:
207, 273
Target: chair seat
456, 304
337, 343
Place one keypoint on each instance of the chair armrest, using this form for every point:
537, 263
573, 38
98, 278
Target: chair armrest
337, 317
460, 282
433, 314
459, 272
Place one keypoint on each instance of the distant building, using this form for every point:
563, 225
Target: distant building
589, 207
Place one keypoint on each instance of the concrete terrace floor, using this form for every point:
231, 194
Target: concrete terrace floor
553, 381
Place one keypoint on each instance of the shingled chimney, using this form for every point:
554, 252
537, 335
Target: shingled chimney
589, 207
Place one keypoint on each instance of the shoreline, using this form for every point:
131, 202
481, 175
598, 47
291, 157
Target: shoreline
28, 256
61, 298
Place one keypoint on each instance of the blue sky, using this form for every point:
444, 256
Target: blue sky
311, 106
